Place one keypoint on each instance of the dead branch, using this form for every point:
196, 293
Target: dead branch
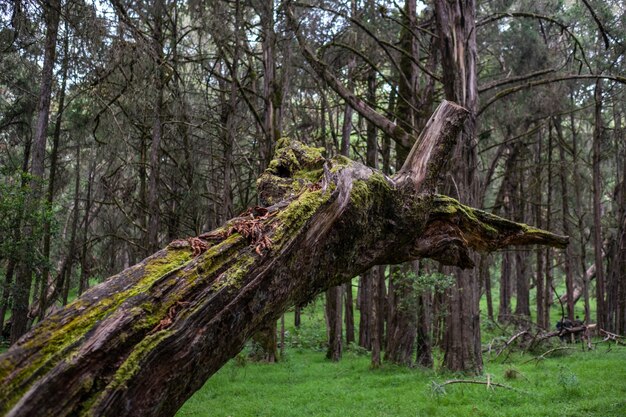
508, 343
488, 383
543, 355
531, 84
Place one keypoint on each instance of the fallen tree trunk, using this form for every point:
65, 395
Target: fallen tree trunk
143, 341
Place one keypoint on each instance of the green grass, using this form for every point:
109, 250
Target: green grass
305, 384
568, 383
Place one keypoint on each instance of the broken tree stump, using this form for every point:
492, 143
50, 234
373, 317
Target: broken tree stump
145, 340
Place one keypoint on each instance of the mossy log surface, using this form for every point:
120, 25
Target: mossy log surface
145, 340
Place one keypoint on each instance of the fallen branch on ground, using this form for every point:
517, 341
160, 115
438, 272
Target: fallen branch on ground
543, 355
438, 388
508, 343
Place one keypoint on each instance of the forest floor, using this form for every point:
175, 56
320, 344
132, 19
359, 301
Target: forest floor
569, 382
306, 384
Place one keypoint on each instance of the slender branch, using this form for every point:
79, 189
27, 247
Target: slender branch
471, 381
603, 31
500, 83
399, 135
501, 94
543, 356
508, 343
498, 16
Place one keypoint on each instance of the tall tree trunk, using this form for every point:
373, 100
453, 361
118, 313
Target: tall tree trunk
154, 215
579, 208
266, 14
145, 340
569, 255
457, 40
597, 208
54, 156
522, 280
620, 319
23, 281
548, 294
537, 205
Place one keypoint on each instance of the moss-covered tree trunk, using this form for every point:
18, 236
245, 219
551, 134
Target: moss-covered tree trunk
143, 341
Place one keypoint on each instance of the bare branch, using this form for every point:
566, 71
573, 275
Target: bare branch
399, 135
504, 93
603, 31
498, 16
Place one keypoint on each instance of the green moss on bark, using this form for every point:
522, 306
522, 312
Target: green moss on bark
62, 337
295, 215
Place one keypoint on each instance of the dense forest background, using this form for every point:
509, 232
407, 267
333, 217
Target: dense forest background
127, 124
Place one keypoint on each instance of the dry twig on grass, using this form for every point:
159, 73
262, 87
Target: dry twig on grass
543, 355
438, 388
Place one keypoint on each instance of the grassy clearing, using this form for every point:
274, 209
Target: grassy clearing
305, 384
567, 383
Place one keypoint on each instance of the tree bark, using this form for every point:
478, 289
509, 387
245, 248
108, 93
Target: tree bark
365, 310
154, 214
23, 281
404, 319
547, 294
504, 307
597, 208
569, 255
333, 323
456, 28
349, 313
538, 199
143, 341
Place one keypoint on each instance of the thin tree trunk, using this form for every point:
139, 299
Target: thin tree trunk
54, 156
486, 278
333, 323
522, 280
365, 308
548, 295
539, 253
597, 208
569, 256
579, 208
266, 14
154, 215
375, 318
83, 282
504, 307
349, 313
23, 281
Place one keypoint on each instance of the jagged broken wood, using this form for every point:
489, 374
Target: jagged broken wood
143, 341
